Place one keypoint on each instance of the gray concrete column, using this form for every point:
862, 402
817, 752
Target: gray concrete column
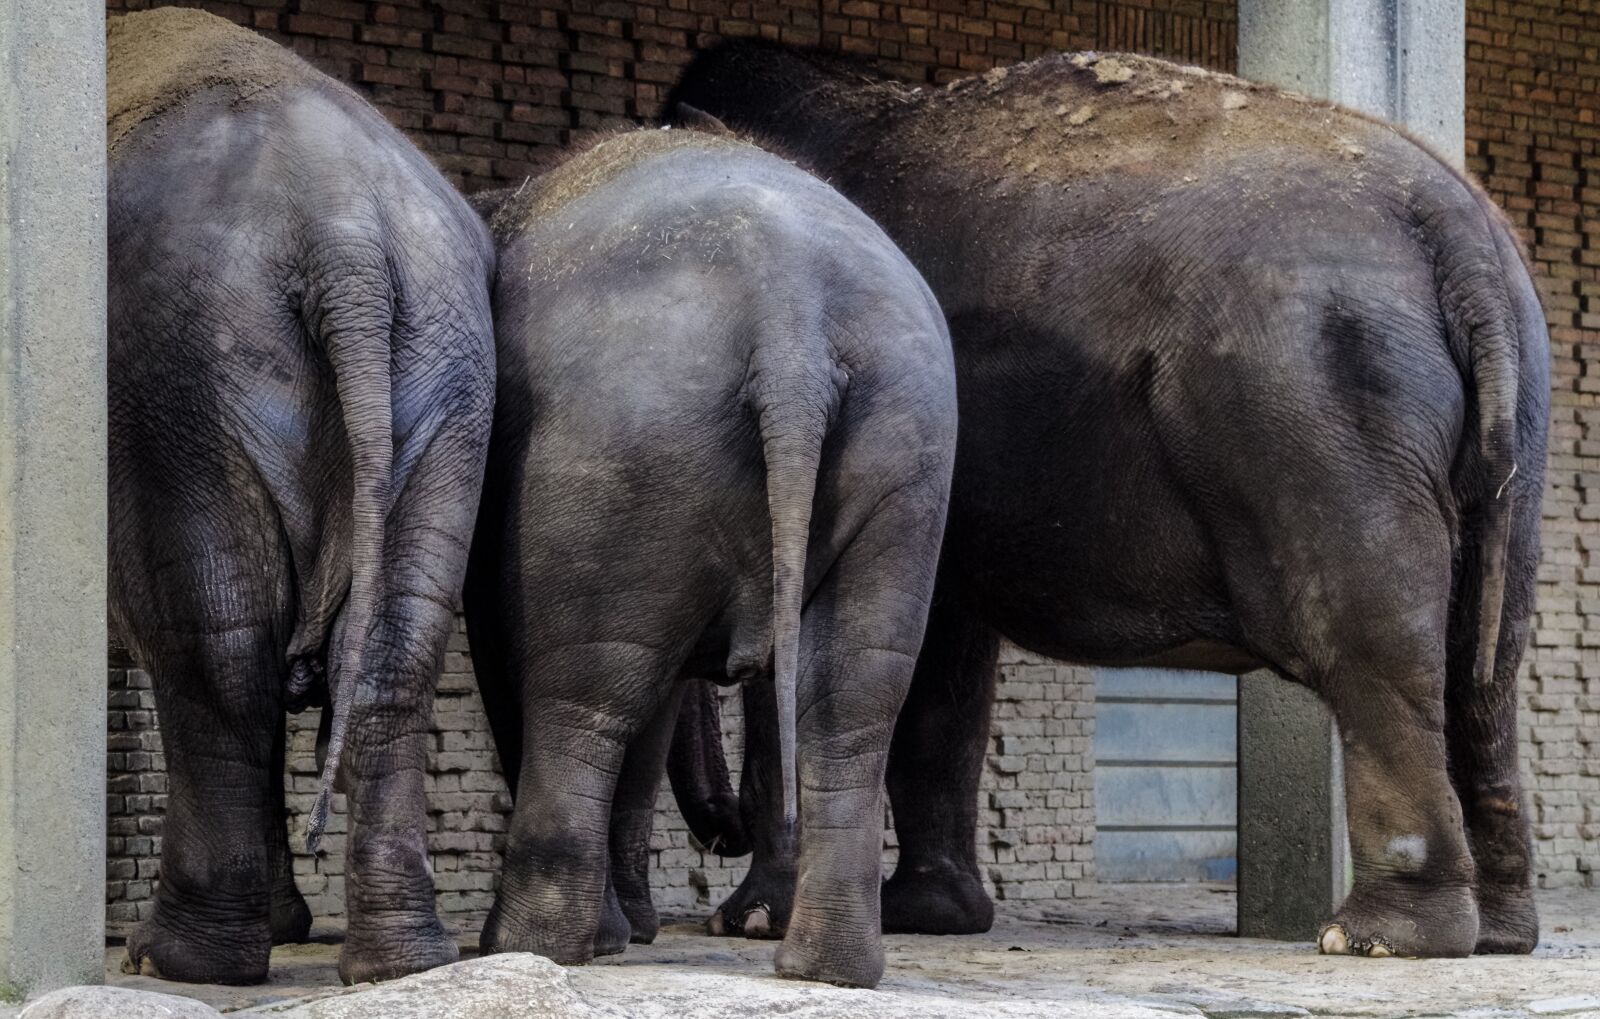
1293, 850
52, 494
1405, 61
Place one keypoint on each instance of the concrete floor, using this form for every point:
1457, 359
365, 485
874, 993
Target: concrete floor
1129, 949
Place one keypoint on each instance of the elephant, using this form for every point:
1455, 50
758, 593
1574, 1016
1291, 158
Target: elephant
722, 448
1247, 380
301, 386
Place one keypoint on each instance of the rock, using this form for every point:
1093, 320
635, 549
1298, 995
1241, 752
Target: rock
641, 993
115, 1003
511, 986
1565, 1006
516, 986
1111, 71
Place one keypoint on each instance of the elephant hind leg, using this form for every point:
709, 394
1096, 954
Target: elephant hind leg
1481, 733
1362, 618
632, 818
935, 765
581, 704
290, 916
759, 908
859, 639
1413, 893
216, 698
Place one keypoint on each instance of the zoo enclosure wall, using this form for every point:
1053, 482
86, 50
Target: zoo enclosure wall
486, 88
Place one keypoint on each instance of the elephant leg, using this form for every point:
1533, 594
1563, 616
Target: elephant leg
940, 742
291, 917
582, 706
1375, 635
633, 814
217, 699
1357, 606
1481, 734
1413, 893
1483, 747
858, 647
393, 929
760, 906
1371, 629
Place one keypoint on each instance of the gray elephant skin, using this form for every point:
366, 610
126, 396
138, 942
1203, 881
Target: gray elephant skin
723, 395
301, 387
1246, 380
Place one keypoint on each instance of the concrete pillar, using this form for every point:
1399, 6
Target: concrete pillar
52, 494
1293, 851
1404, 60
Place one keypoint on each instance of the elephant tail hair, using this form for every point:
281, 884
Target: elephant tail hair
351, 318
1475, 280
795, 400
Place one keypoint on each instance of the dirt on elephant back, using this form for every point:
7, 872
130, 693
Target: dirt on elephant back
157, 59
1071, 117
581, 170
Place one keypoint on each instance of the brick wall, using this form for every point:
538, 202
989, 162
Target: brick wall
1036, 809
482, 85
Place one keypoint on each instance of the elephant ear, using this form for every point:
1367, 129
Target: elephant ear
696, 119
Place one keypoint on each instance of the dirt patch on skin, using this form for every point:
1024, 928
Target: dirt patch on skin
1071, 116
157, 59
585, 169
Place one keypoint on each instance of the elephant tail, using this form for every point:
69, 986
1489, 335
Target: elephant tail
795, 399
699, 775
1475, 285
351, 317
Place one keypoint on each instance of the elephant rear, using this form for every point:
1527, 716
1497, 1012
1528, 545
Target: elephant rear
301, 388
723, 448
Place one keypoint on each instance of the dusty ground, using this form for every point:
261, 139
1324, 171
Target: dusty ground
1131, 949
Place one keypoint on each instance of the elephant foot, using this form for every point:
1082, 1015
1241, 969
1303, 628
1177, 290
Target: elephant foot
1508, 920
643, 922
503, 933
396, 946
615, 930
927, 900
830, 958
759, 908
196, 953
630, 893
291, 917
1399, 919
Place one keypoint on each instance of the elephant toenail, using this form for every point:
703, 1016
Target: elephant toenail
1379, 950
757, 921
1333, 940
716, 926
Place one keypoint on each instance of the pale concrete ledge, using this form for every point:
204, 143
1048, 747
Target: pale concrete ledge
1130, 950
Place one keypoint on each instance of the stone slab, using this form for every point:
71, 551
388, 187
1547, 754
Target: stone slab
1134, 950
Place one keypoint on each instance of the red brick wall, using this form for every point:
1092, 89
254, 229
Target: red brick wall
481, 85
